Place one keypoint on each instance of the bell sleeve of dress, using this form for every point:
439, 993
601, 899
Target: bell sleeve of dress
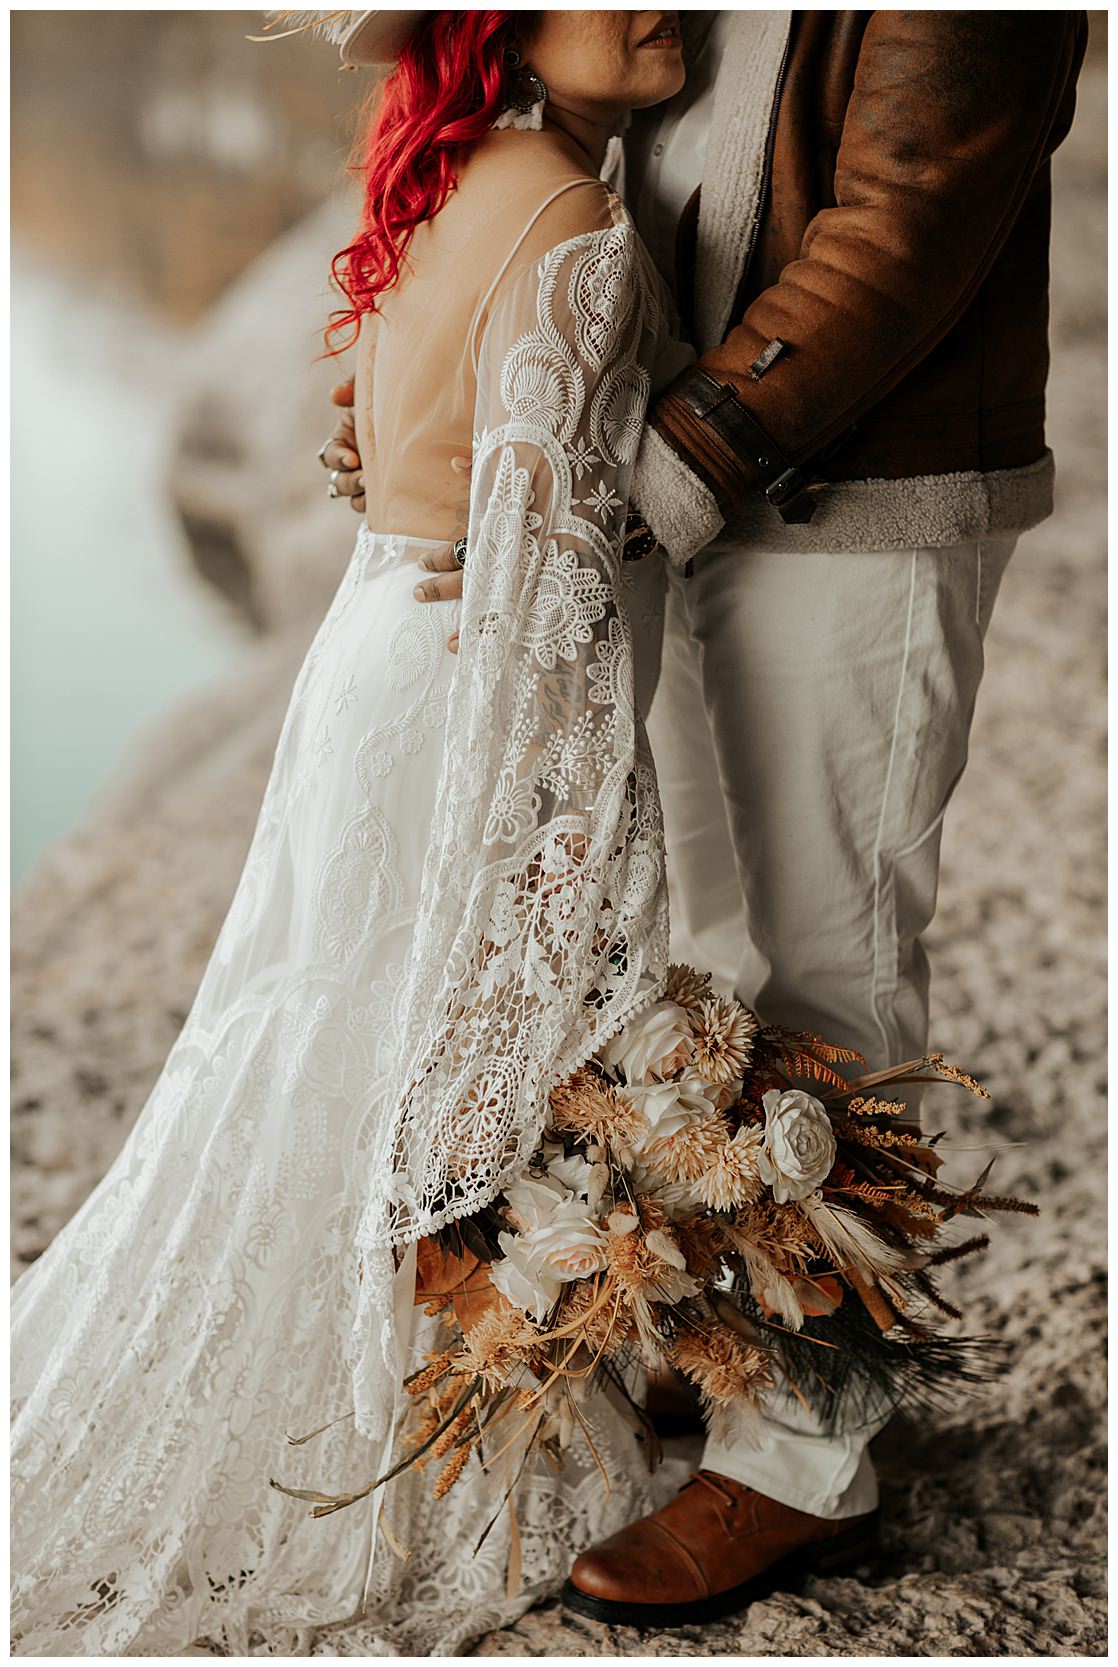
543, 925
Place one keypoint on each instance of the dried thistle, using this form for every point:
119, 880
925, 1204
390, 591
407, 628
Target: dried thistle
649, 1266
499, 1343
723, 1032
703, 1243
589, 1106
604, 1330
734, 1178
780, 1232
653, 1216
720, 1364
686, 987
685, 1156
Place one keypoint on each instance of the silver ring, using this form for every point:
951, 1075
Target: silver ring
332, 488
458, 550
322, 450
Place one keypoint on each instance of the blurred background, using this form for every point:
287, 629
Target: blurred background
157, 155
177, 194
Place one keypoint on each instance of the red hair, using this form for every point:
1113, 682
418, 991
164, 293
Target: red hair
447, 90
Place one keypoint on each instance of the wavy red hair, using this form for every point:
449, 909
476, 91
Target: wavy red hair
447, 90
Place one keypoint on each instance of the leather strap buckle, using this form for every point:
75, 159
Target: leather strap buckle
785, 486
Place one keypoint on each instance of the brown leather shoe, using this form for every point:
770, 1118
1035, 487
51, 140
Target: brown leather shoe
712, 1549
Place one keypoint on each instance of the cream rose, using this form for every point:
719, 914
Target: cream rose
586, 1180
535, 1266
654, 1045
669, 1107
799, 1149
572, 1172
533, 1200
520, 1276
572, 1246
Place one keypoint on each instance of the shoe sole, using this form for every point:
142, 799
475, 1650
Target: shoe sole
834, 1556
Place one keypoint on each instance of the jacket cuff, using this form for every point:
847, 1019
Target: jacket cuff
679, 508
707, 453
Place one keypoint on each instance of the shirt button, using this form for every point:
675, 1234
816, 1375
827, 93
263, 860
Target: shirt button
657, 150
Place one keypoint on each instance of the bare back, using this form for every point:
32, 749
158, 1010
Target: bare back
415, 378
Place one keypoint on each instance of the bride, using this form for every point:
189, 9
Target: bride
455, 891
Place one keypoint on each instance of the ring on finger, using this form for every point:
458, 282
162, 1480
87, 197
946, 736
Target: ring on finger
323, 449
458, 550
332, 487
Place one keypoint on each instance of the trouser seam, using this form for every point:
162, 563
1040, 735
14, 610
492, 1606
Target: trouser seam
887, 1038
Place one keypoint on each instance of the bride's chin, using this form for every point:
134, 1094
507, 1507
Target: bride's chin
662, 80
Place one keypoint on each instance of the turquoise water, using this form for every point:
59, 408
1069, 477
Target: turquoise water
109, 624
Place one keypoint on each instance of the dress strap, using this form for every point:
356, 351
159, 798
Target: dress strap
503, 268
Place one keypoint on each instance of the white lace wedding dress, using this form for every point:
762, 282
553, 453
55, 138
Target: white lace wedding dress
451, 857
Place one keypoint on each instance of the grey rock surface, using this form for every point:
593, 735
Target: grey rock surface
994, 1511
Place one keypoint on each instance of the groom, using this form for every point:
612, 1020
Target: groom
852, 209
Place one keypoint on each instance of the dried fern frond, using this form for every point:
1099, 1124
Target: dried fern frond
806, 1055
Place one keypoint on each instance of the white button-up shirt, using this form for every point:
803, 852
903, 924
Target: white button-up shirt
665, 147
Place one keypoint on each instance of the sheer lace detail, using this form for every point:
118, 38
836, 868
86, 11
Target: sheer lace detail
543, 921
448, 859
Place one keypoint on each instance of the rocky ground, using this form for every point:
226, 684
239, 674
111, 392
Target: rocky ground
994, 1512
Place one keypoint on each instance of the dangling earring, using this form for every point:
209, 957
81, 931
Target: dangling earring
526, 97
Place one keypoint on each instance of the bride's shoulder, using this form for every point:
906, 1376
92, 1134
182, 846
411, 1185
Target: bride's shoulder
527, 185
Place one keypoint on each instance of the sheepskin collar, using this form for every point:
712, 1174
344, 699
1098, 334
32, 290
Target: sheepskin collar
756, 45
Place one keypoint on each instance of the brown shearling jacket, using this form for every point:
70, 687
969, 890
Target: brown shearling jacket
893, 304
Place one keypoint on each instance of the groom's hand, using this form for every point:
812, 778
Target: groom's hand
340, 454
445, 583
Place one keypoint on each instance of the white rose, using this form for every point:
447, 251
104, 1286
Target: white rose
654, 1045
520, 1276
586, 1180
571, 1244
799, 1149
533, 1200
572, 1172
669, 1107
536, 1265
679, 1198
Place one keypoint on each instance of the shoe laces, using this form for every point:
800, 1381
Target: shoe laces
709, 1480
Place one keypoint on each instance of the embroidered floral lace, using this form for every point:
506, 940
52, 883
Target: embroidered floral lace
455, 890
543, 918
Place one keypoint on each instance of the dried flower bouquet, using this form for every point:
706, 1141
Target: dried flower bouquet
709, 1193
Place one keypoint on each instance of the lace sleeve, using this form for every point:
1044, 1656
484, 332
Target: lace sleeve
544, 919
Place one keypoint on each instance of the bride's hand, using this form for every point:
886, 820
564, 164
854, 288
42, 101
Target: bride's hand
340, 451
446, 586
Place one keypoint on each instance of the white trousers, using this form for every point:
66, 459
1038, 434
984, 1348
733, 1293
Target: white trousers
810, 721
